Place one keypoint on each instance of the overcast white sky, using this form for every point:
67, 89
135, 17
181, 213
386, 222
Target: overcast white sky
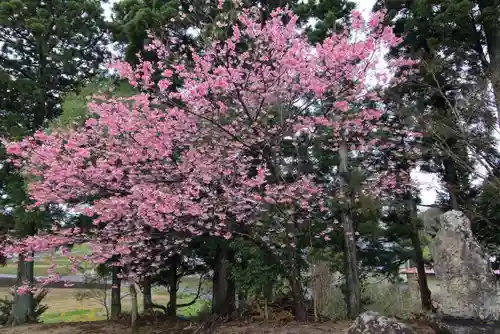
428, 182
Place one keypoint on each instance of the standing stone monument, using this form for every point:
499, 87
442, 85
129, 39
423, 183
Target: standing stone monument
468, 290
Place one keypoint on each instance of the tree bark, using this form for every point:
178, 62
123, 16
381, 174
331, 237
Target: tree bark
223, 293
116, 300
490, 28
42, 113
231, 284
452, 183
321, 284
300, 312
146, 293
23, 309
425, 292
172, 303
353, 286
134, 313
297, 294
242, 300
351, 269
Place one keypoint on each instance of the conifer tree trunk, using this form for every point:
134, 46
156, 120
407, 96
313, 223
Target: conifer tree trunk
425, 292
353, 286
116, 301
490, 29
223, 294
172, 302
134, 313
294, 274
146, 293
450, 175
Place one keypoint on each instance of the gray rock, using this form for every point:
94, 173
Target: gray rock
374, 323
467, 284
430, 220
453, 325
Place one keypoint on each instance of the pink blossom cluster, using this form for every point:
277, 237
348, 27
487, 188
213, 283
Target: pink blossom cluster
163, 166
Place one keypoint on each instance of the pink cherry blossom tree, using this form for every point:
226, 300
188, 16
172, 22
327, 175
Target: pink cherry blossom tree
208, 158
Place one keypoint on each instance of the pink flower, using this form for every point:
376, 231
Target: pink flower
142, 168
23, 290
342, 105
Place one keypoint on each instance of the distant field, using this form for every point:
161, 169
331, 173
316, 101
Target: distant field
40, 269
43, 262
64, 306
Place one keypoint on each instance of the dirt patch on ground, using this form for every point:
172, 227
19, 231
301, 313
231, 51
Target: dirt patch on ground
180, 327
186, 327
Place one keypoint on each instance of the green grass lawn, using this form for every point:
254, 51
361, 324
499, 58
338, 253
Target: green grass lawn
72, 316
99, 312
63, 304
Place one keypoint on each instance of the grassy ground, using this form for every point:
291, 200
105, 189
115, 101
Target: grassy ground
64, 306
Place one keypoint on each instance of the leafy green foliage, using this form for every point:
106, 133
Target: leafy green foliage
486, 225
48, 48
449, 38
255, 273
133, 18
13, 216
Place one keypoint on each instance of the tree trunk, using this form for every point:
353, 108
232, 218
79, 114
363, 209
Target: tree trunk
146, 293
425, 292
134, 313
116, 300
223, 293
42, 112
452, 183
300, 312
297, 294
353, 286
321, 284
242, 300
23, 309
268, 291
490, 28
231, 284
172, 303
